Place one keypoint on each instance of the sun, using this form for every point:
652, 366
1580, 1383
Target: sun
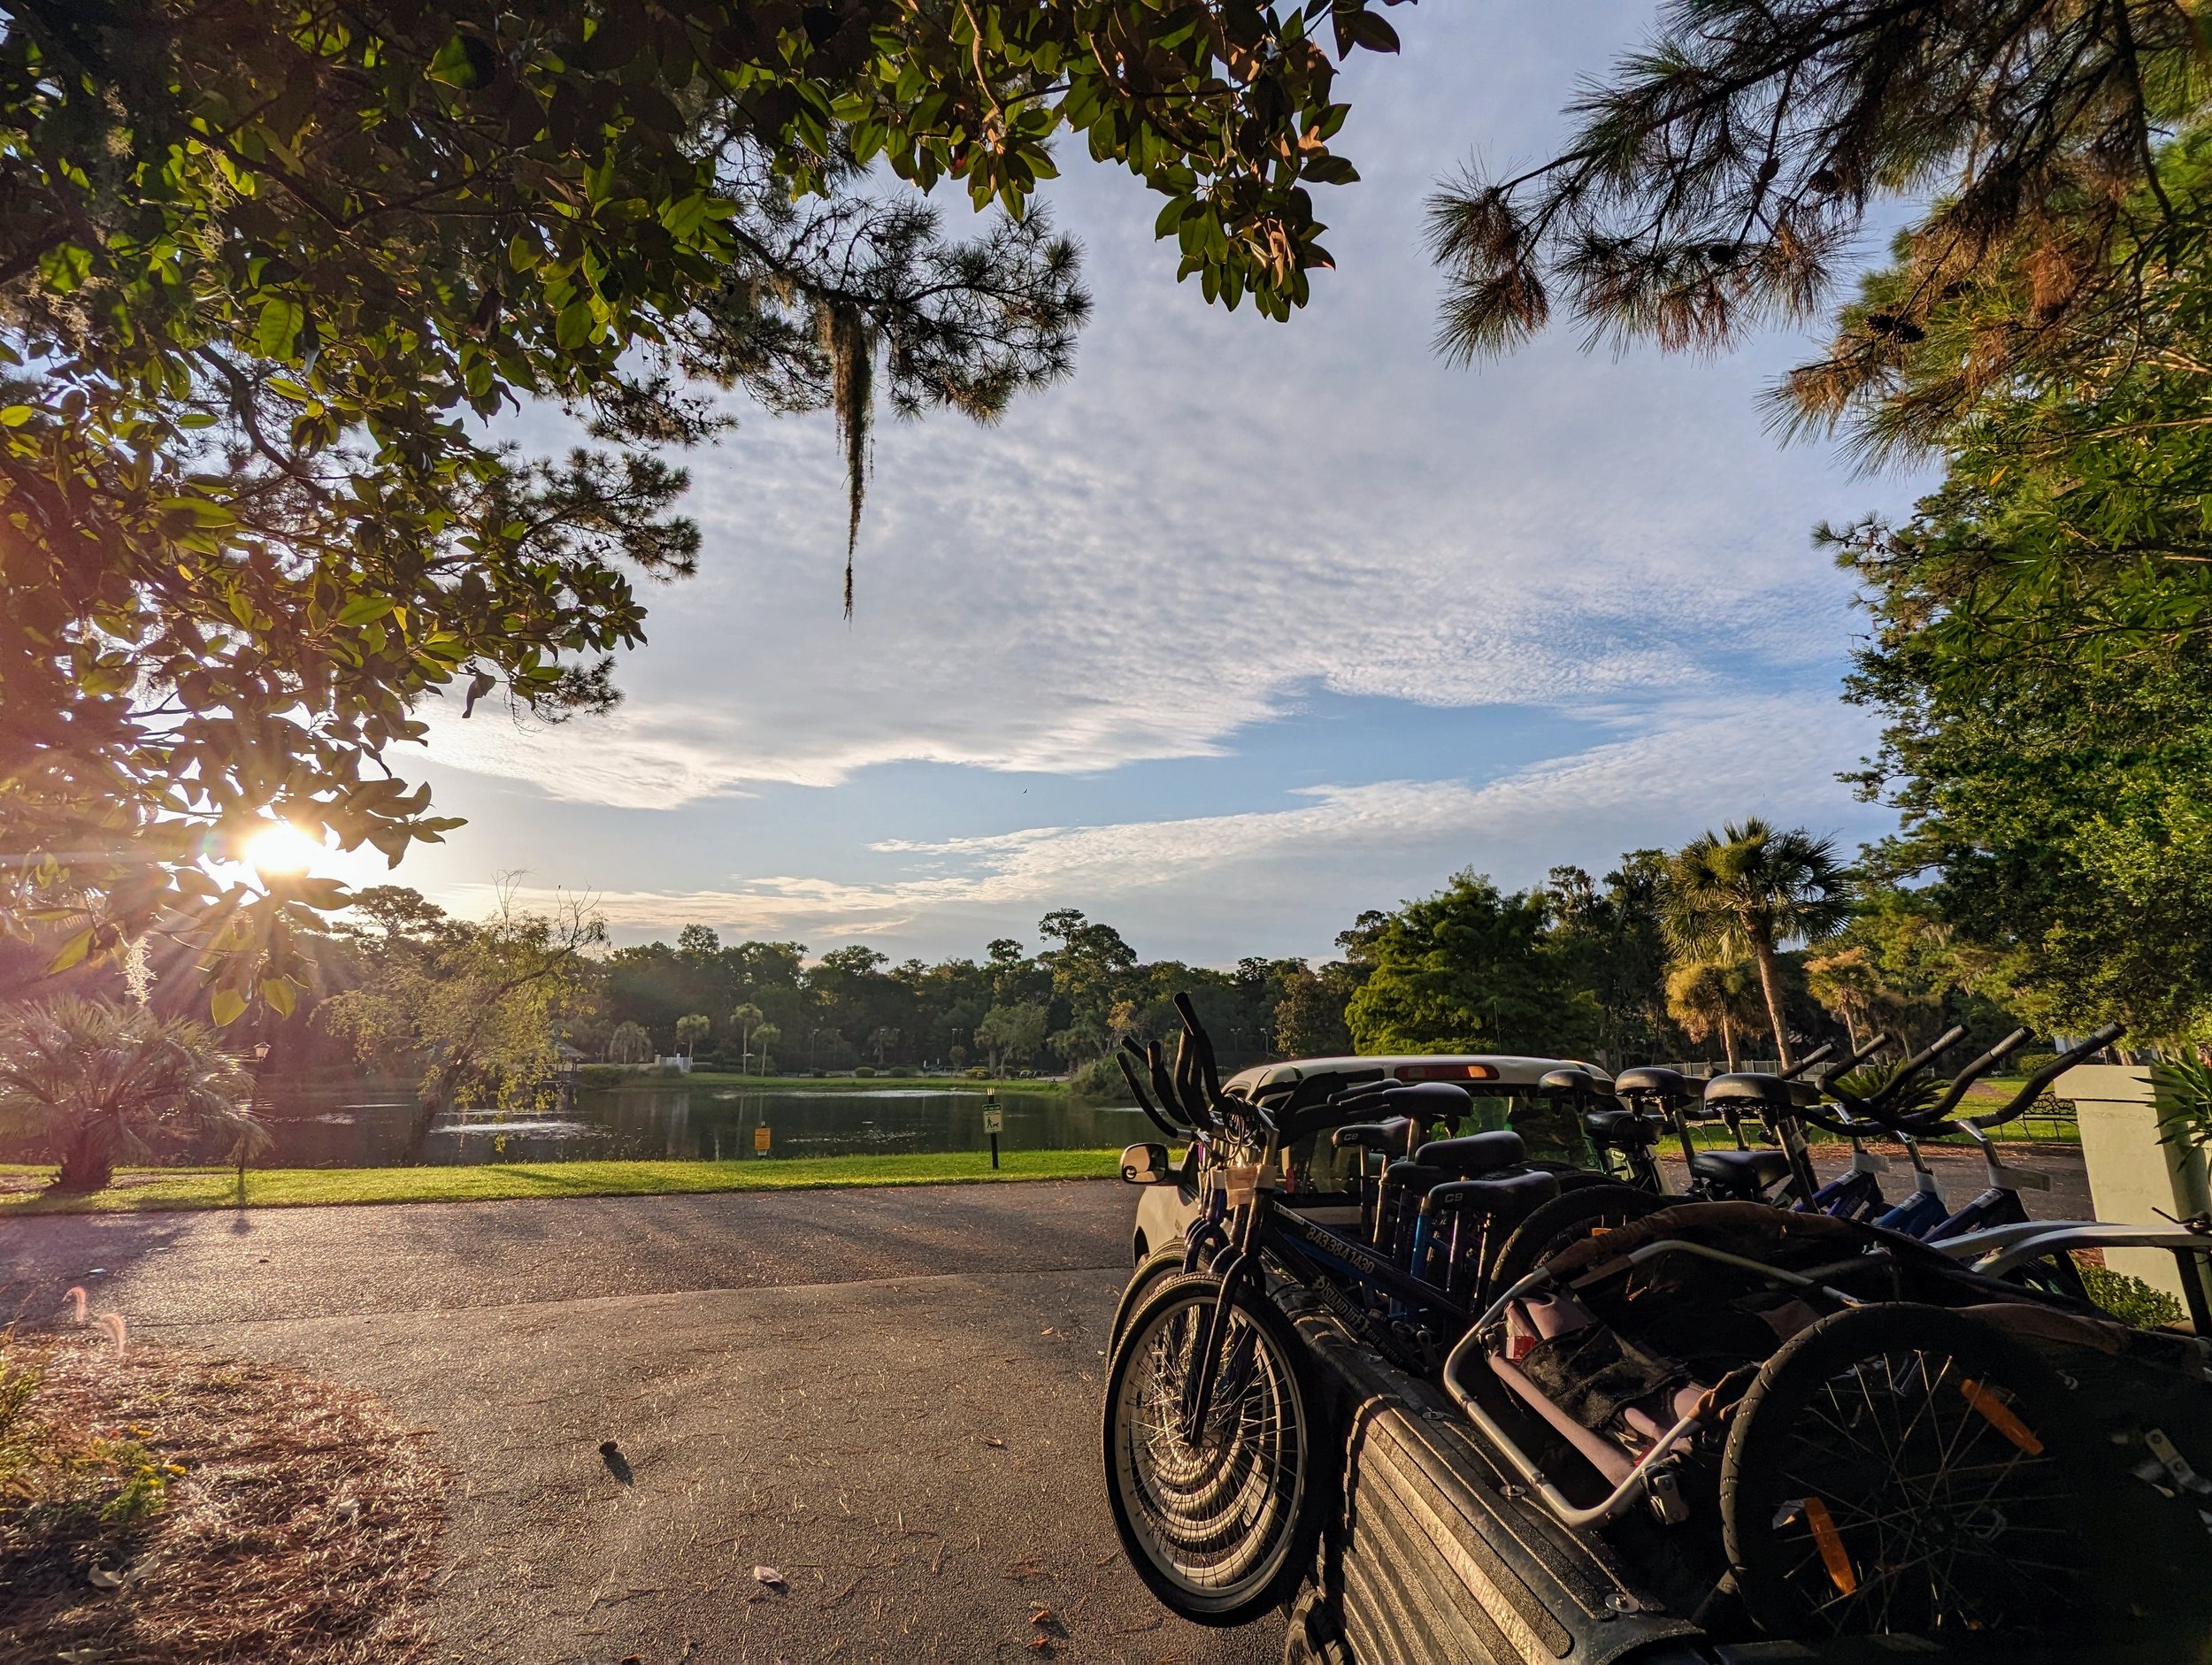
282, 848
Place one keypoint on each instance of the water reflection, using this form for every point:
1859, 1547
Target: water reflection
367, 1125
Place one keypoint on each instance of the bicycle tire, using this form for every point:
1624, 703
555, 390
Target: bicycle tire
1222, 1533
1907, 1470
1163, 1262
1567, 1218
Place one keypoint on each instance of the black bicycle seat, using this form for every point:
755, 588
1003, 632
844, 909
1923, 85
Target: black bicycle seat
1669, 1086
1761, 1092
1621, 1130
1744, 1171
1474, 1154
1435, 1100
1505, 1200
1566, 1081
1389, 1135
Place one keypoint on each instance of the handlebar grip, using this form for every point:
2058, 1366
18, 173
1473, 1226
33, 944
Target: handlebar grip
1816, 1056
1914, 1064
1129, 1074
1967, 1076
1835, 1072
1202, 1044
2031, 1089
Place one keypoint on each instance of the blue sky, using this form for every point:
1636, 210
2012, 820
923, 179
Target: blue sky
1244, 628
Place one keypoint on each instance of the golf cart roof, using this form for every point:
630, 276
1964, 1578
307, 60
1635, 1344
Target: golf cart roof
1467, 1068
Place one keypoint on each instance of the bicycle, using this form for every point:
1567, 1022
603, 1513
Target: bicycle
1214, 1455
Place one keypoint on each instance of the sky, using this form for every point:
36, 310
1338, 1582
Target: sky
1242, 630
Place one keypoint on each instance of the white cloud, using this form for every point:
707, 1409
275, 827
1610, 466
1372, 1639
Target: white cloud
1260, 867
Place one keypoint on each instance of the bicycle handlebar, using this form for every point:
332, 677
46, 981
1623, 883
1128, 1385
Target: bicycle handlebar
1818, 1055
1136, 1087
1871, 1114
1842, 1067
2032, 1088
1922, 1120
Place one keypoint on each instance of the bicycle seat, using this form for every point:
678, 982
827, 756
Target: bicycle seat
1568, 1081
1435, 1100
1621, 1130
1669, 1086
1761, 1092
1505, 1200
1474, 1154
1389, 1135
1743, 1171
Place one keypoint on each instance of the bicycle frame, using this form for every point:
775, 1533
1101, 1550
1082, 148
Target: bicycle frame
1251, 1221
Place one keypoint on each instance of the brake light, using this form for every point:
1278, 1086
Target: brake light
1448, 1072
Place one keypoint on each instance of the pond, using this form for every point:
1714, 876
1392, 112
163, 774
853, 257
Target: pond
367, 1125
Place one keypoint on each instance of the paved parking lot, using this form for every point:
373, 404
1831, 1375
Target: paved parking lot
890, 1397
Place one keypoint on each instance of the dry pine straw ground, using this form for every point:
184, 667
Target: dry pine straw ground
302, 1530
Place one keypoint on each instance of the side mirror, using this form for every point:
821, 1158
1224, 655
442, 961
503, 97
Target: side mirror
1146, 1165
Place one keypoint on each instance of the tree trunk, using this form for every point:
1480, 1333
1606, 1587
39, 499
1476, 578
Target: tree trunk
1771, 986
1850, 1030
1728, 1041
88, 1161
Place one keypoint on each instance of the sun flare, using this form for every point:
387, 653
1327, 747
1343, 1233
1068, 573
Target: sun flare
282, 849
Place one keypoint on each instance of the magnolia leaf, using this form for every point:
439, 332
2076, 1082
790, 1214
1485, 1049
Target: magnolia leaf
363, 610
226, 1006
71, 951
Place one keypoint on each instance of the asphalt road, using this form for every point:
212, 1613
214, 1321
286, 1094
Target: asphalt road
890, 1397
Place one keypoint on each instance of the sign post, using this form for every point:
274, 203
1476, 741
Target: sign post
993, 1120
760, 1139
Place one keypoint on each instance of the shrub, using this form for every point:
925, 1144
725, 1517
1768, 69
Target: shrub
862, 1072
1099, 1078
977, 1072
901, 1070
2028, 1062
101, 1083
601, 1075
2131, 1300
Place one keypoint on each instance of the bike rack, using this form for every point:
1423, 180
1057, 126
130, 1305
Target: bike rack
1640, 1479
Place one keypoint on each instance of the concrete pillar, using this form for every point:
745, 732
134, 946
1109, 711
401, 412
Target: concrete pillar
2131, 1175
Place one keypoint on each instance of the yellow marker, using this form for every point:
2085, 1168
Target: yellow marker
760, 1140
1999, 1416
1832, 1554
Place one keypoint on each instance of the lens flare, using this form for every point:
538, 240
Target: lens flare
281, 849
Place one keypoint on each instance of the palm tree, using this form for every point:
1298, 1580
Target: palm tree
691, 1029
747, 1017
1748, 890
98, 1080
1848, 983
1713, 997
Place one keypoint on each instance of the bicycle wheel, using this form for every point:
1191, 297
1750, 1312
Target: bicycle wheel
1551, 1226
1221, 1530
1901, 1470
1164, 1261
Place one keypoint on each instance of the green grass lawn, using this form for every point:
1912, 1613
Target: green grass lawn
151, 1188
